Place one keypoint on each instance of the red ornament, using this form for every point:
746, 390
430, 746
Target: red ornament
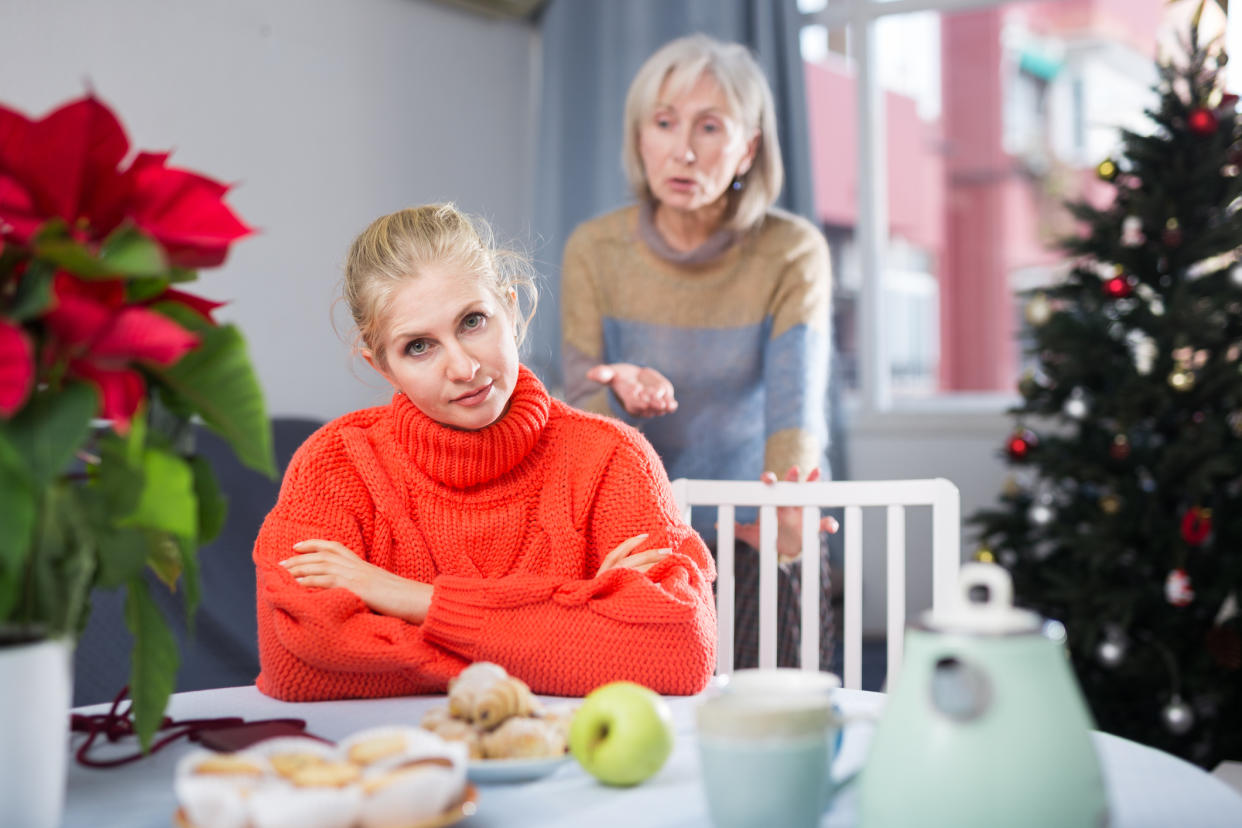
1196, 525
1118, 287
1201, 121
1177, 589
1120, 449
1021, 444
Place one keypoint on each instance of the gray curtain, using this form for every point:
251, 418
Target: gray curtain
591, 51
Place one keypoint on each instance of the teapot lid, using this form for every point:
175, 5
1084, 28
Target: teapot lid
984, 605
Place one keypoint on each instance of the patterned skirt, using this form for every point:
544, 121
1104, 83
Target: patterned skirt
788, 610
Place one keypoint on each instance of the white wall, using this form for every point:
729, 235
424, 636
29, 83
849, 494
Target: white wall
961, 441
326, 114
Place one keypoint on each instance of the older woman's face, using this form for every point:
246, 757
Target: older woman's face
692, 146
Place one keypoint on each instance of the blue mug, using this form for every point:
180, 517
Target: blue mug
767, 740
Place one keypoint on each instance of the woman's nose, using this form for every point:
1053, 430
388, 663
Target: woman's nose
685, 150
461, 366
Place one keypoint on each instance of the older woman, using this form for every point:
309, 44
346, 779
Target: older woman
701, 313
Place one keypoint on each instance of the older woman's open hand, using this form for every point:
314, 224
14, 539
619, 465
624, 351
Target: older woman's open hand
327, 564
643, 392
788, 521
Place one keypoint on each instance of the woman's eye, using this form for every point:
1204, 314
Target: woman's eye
710, 127
473, 321
417, 348
663, 122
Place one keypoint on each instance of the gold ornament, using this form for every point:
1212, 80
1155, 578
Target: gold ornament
1106, 169
1038, 310
1181, 379
984, 555
1110, 504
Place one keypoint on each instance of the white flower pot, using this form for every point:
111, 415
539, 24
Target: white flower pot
35, 688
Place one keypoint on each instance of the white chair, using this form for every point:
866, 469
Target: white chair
895, 495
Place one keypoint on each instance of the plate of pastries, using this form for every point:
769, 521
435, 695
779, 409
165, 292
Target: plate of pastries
386, 777
508, 734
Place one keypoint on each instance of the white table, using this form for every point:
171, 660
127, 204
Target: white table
1146, 787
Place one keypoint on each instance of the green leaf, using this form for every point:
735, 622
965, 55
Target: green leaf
51, 427
34, 292
130, 252
219, 381
153, 662
63, 565
190, 586
164, 558
142, 289
212, 504
118, 478
122, 557
17, 521
167, 502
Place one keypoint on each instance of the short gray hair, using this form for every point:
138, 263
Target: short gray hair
682, 62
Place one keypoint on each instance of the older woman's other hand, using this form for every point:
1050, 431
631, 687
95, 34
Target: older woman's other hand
643, 392
788, 521
328, 564
624, 556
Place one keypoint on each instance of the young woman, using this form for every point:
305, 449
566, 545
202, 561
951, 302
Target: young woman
473, 518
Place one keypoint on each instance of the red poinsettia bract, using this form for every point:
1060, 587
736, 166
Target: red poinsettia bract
16, 367
99, 336
68, 165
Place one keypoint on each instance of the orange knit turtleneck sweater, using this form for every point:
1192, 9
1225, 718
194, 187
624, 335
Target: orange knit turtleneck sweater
509, 525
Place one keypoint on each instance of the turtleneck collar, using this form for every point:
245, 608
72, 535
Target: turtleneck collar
709, 250
461, 459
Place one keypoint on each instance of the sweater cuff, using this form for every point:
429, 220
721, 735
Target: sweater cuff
453, 621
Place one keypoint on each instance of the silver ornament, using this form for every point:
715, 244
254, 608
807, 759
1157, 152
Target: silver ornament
1111, 652
1040, 514
1177, 716
1076, 405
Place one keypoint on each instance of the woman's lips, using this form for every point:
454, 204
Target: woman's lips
477, 397
681, 184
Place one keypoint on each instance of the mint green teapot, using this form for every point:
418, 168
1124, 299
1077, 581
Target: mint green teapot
985, 726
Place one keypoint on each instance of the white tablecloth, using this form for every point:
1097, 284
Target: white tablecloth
1146, 787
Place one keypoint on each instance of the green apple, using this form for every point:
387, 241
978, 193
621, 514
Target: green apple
622, 733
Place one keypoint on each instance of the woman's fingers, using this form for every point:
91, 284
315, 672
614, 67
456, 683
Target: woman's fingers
621, 550
644, 560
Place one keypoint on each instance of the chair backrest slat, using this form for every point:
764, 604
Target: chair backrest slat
724, 589
895, 597
809, 641
895, 495
851, 637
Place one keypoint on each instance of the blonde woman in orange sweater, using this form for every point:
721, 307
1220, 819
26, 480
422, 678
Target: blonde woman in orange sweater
473, 518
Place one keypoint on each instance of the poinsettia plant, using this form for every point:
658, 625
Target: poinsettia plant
106, 361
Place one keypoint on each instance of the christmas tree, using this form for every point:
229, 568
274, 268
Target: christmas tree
1123, 517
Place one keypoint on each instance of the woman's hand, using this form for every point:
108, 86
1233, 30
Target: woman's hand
326, 564
643, 392
624, 556
788, 521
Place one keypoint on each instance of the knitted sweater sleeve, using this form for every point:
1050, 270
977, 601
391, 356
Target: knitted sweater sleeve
566, 638
326, 643
582, 324
795, 360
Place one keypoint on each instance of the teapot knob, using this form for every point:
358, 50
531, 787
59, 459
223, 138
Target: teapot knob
986, 587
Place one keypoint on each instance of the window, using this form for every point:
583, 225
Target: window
985, 117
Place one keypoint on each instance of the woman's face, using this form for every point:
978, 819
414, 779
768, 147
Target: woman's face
692, 146
450, 347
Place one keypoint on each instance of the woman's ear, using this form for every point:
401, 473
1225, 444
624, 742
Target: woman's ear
374, 362
752, 149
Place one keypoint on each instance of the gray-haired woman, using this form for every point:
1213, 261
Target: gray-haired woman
701, 312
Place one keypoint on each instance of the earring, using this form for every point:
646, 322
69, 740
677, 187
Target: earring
737, 184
